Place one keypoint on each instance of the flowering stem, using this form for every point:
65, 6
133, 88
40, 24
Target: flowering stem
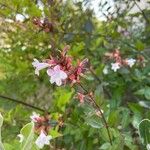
99, 109
22, 103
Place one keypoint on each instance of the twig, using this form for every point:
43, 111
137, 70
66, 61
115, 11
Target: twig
143, 13
22, 103
99, 109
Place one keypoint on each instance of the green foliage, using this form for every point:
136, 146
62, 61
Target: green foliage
144, 130
123, 95
28, 133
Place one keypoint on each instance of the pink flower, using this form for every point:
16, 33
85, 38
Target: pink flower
130, 62
42, 140
39, 66
115, 66
57, 75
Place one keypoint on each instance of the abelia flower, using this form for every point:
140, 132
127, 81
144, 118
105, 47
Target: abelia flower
115, 66
21, 138
39, 66
78, 71
43, 139
60, 68
57, 75
115, 56
35, 117
42, 124
130, 62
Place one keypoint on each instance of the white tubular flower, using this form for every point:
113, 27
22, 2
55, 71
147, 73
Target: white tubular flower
21, 138
57, 75
115, 66
34, 117
39, 66
130, 62
43, 140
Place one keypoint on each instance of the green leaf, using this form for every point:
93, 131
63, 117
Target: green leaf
8, 146
94, 121
104, 134
105, 146
114, 118
136, 108
139, 45
54, 133
125, 117
136, 119
62, 98
28, 132
144, 131
144, 91
1, 123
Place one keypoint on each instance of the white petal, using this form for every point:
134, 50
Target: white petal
35, 62
50, 72
58, 82
63, 75
37, 72
43, 140
39, 143
42, 65
52, 80
39, 66
131, 62
57, 68
115, 66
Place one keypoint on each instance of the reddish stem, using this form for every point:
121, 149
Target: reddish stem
99, 109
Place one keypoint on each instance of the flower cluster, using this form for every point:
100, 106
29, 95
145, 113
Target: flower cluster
118, 61
42, 125
43, 24
60, 68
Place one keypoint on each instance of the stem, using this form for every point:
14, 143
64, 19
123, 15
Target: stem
22, 103
143, 13
98, 107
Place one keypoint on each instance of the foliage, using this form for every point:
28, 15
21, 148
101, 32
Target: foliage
123, 96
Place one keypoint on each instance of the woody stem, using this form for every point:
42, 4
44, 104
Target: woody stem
99, 109
22, 103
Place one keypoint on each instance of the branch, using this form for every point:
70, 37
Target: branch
99, 109
143, 13
22, 103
